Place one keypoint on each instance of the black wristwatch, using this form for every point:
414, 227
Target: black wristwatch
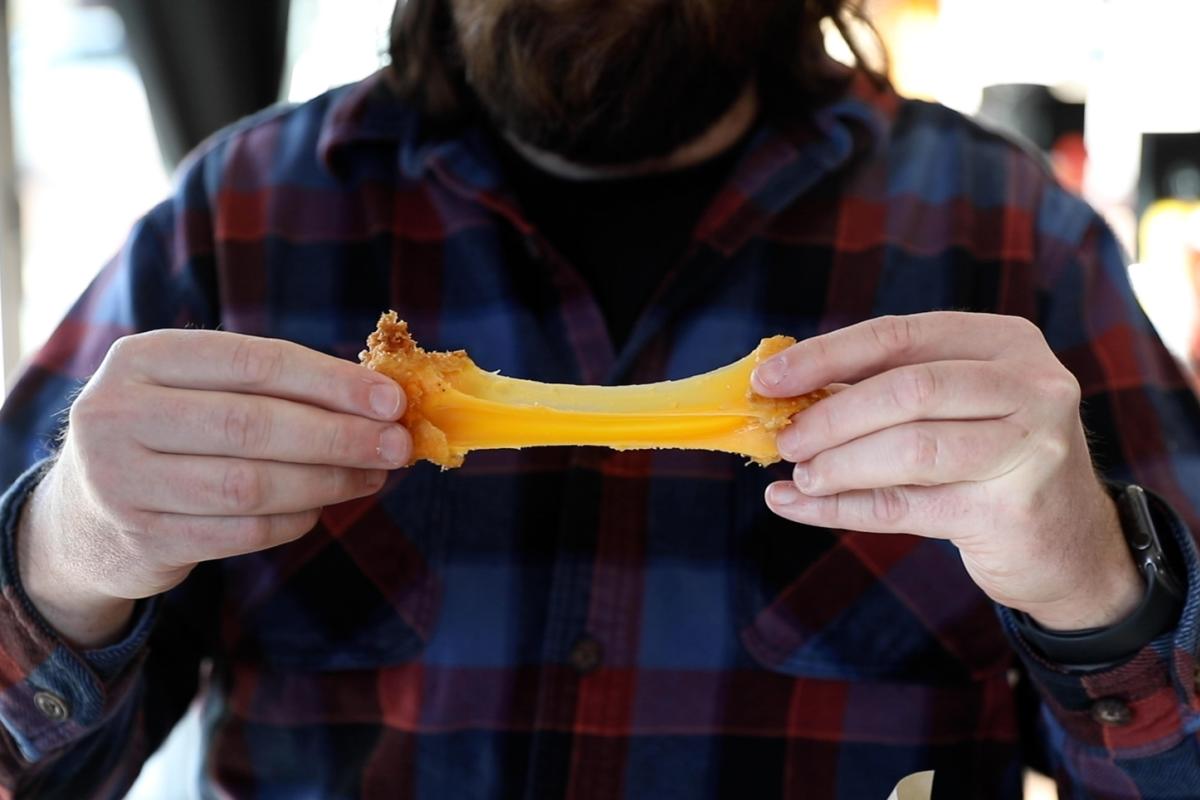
1158, 559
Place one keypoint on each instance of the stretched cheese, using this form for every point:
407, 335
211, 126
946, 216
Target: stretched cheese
455, 407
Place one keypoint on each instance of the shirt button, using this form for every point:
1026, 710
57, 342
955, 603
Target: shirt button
586, 655
52, 706
1111, 711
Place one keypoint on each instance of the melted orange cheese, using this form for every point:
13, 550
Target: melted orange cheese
455, 407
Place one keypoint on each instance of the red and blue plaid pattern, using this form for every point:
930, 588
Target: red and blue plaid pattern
579, 623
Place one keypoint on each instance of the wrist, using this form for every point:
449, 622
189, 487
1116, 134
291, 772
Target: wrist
1109, 586
1149, 528
1108, 597
85, 617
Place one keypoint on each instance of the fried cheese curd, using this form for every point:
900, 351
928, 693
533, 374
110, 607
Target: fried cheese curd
455, 407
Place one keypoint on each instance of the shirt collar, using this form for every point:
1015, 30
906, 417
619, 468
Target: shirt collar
370, 112
781, 161
787, 158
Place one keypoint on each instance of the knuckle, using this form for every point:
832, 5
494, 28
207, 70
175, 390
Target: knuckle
242, 489
1061, 388
179, 406
1000, 377
255, 533
256, 362
341, 483
915, 388
889, 506
1054, 449
127, 349
130, 352
816, 348
339, 443
86, 408
830, 512
924, 451
97, 412
246, 428
896, 334
829, 419
1026, 329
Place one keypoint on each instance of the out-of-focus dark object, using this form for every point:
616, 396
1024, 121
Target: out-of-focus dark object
1054, 126
205, 63
1170, 169
1032, 112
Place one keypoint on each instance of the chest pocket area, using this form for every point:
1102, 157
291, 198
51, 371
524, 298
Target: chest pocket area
832, 604
362, 590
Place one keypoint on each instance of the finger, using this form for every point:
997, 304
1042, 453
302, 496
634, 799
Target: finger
939, 512
189, 539
221, 361
916, 453
219, 486
188, 422
937, 390
868, 348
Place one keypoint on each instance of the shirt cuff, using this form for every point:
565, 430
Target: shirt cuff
1141, 706
51, 694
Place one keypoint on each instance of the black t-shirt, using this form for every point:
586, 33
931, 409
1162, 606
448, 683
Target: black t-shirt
622, 234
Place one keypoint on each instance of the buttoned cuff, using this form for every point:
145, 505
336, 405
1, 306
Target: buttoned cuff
50, 694
1142, 706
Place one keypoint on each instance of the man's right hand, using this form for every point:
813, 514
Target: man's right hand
188, 446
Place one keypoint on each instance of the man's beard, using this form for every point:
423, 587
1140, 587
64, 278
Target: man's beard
604, 82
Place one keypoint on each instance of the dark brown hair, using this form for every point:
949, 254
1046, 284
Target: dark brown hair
795, 70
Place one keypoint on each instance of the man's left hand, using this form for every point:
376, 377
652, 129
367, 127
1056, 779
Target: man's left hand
962, 427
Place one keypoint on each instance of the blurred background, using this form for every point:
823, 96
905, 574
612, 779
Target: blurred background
105, 97
99, 99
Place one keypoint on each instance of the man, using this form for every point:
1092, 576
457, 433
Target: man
603, 192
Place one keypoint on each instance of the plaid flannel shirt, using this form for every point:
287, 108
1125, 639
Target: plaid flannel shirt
575, 622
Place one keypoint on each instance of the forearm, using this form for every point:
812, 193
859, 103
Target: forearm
83, 617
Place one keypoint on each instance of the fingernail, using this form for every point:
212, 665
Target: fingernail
385, 399
771, 372
785, 443
781, 494
394, 446
801, 476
